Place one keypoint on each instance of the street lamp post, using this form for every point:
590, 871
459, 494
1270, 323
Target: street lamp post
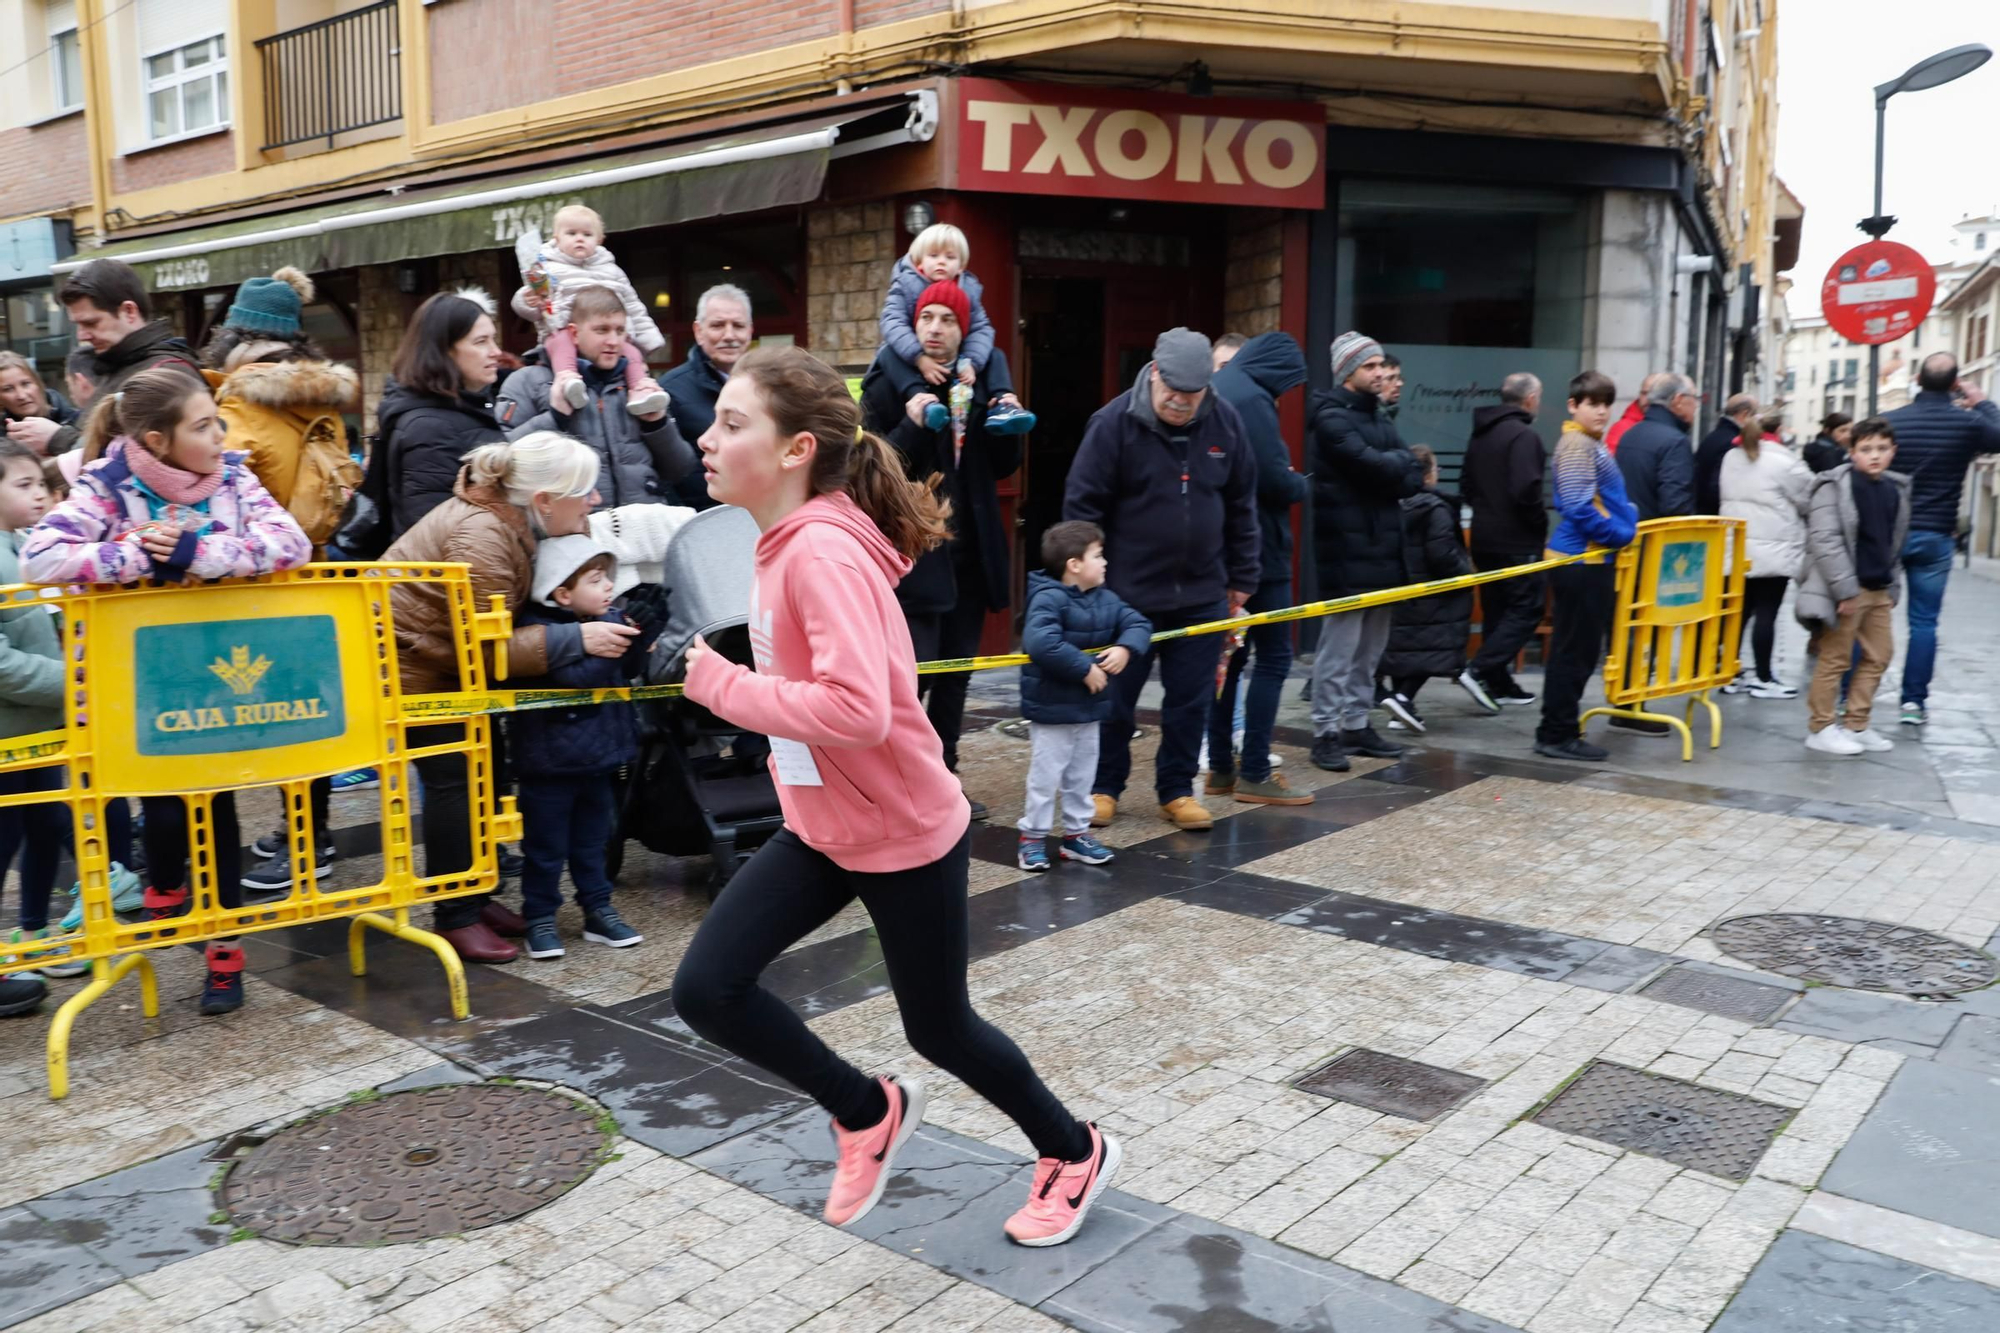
1929, 72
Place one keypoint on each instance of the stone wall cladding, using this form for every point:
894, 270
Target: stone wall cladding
1253, 279
850, 252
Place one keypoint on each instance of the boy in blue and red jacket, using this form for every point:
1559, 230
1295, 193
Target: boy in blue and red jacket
1064, 692
564, 758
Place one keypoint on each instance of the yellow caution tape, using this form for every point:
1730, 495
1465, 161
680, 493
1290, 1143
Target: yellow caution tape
447, 707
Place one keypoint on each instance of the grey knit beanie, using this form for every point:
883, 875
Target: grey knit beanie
1350, 349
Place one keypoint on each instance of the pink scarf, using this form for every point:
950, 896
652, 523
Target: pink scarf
167, 481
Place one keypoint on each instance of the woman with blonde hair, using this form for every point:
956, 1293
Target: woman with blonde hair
507, 498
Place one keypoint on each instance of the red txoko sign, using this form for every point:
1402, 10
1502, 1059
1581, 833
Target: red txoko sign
1104, 143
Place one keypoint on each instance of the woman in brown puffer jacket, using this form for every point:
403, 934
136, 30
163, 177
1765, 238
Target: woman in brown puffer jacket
508, 497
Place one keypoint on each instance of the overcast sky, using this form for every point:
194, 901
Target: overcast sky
1942, 157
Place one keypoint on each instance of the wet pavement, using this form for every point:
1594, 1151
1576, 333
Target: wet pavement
1470, 917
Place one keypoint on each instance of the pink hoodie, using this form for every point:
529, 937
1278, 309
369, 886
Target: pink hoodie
835, 674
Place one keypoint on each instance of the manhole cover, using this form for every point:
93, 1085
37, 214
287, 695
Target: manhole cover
1391, 1084
414, 1166
1732, 997
1856, 954
1703, 1129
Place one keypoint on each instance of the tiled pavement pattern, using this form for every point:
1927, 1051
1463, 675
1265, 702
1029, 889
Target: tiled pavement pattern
1175, 997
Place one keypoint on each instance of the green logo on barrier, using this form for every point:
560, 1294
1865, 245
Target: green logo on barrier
1683, 574
223, 685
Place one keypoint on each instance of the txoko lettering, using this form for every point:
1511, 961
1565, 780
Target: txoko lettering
181, 273
1201, 149
1053, 139
240, 715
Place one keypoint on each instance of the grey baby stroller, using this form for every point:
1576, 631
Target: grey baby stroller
700, 787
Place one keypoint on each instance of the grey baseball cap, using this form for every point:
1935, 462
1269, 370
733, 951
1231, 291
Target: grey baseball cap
1184, 359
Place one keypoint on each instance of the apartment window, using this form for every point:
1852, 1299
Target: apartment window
1853, 370
1979, 240
1833, 371
66, 69
187, 89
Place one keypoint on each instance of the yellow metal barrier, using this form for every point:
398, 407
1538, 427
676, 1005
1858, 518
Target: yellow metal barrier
1679, 614
272, 682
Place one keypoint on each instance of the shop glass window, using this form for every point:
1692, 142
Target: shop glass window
1466, 284
187, 89
66, 65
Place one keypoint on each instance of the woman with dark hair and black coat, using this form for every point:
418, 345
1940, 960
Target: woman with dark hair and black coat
1427, 636
438, 406
1829, 451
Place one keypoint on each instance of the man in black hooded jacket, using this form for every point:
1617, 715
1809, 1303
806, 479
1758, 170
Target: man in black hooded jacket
1505, 469
1263, 370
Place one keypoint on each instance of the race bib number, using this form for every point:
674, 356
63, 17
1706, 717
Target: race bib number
793, 763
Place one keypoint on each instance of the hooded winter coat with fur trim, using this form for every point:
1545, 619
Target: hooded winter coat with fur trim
568, 278
286, 416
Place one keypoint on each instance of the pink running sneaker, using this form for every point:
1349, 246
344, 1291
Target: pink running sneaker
866, 1154
1063, 1192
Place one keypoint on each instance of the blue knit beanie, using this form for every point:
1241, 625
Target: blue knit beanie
271, 305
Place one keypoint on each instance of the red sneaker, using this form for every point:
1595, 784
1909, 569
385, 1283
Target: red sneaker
223, 993
866, 1154
1063, 1192
164, 905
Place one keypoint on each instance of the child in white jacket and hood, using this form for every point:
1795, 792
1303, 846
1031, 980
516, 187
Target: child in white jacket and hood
1765, 484
572, 259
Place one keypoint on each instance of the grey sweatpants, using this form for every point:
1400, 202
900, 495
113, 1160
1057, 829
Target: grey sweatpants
1343, 681
1063, 759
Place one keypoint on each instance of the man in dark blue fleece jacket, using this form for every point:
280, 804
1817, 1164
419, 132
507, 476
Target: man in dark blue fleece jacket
1936, 441
1266, 368
1165, 471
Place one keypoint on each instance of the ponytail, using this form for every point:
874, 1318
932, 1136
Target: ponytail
805, 396
152, 400
1751, 440
911, 514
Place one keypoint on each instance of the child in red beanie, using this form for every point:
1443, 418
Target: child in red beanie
939, 255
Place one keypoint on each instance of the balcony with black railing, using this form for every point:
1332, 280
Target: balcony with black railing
333, 78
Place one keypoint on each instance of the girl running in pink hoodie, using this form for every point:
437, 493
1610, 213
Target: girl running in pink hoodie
870, 809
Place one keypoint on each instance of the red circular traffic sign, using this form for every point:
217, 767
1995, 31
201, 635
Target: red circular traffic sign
1877, 292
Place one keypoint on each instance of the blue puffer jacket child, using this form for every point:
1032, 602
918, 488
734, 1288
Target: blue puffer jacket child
583, 740
1063, 623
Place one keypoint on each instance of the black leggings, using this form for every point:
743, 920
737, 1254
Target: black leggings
1761, 600
787, 891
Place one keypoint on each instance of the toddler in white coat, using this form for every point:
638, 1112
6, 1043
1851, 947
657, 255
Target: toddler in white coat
572, 259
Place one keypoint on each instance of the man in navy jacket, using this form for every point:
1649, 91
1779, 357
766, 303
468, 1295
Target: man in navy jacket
1165, 471
1937, 436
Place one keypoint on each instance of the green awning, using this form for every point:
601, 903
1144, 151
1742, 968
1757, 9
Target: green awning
769, 168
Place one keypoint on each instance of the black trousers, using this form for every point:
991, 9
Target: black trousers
447, 820
1585, 598
1762, 598
1510, 612
939, 635
167, 843
787, 891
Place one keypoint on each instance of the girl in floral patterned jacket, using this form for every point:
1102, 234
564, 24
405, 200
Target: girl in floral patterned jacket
166, 502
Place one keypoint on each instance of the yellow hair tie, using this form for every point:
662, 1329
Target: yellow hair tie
860, 434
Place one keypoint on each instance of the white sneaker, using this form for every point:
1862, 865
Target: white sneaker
1871, 740
1740, 685
1771, 689
1472, 685
1834, 740
647, 403
1403, 717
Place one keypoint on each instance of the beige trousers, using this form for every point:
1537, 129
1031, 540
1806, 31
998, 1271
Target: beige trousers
1872, 623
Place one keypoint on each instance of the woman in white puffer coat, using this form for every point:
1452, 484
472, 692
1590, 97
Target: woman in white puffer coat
1764, 483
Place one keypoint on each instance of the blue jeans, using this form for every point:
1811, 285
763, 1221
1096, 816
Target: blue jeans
565, 820
1927, 563
1187, 679
1270, 647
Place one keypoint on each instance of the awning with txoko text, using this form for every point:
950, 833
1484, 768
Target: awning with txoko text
766, 168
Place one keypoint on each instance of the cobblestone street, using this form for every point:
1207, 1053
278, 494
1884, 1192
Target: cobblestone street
1523, 926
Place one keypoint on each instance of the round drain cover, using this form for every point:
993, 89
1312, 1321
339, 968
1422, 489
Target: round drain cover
414, 1166
1856, 954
